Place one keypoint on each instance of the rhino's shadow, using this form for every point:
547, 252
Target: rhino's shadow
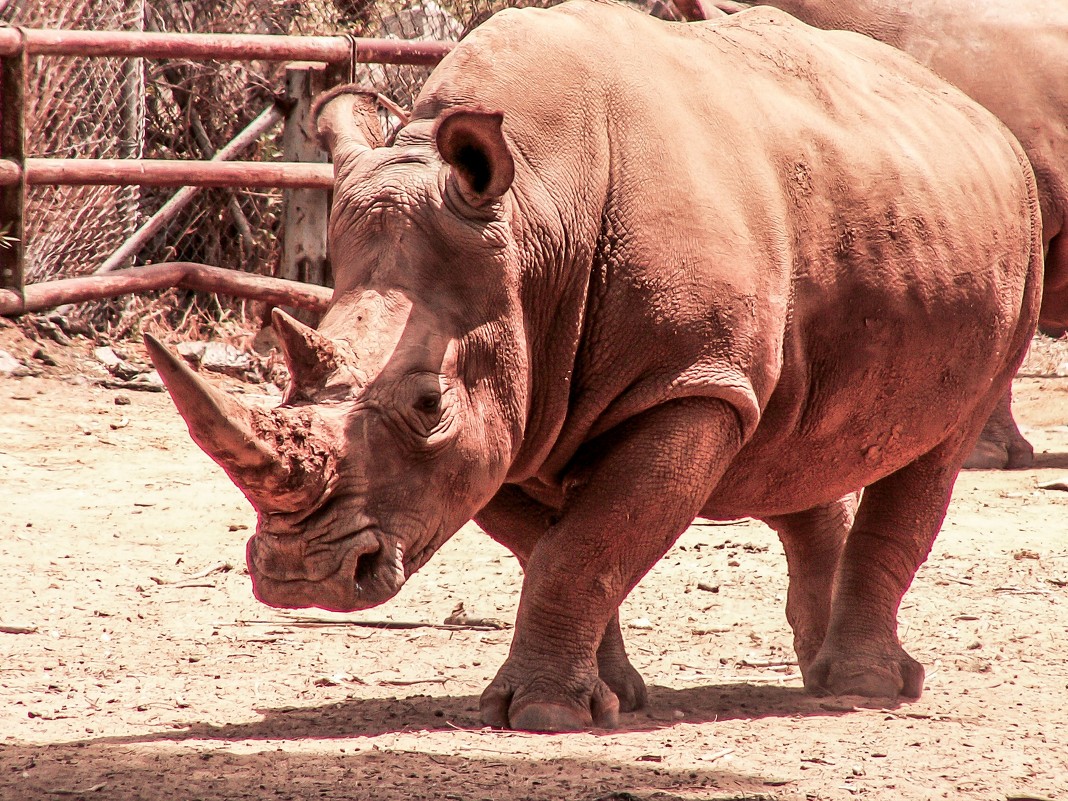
1056, 461
376, 716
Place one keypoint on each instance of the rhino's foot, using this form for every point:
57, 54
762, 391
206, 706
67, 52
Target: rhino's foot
892, 674
1001, 445
1017, 454
543, 705
807, 649
626, 682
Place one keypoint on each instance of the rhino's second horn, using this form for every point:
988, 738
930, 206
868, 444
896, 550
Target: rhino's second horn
309, 355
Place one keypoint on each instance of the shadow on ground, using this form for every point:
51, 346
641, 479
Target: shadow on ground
145, 773
373, 717
326, 756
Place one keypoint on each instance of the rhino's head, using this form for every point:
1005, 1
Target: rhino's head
405, 407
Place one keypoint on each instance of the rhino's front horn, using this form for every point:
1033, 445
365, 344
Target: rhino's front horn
310, 356
222, 427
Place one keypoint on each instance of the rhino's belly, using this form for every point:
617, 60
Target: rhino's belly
819, 440
797, 474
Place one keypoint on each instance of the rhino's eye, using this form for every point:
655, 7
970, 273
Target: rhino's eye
428, 402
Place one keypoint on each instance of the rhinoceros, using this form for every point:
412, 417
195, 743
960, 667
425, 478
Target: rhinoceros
1013, 59
616, 273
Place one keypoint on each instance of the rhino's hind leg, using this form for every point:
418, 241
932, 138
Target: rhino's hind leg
517, 522
1001, 445
607, 537
812, 541
896, 525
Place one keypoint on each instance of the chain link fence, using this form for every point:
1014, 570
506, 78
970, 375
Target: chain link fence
140, 108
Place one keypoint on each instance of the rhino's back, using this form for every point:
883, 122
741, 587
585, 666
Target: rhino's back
806, 224
1010, 57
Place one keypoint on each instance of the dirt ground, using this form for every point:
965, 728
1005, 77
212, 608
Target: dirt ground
145, 669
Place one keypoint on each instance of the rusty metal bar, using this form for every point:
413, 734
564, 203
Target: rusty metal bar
10, 172
220, 46
163, 172
191, 275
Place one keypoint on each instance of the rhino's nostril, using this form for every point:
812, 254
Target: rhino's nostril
368, 551
366, 564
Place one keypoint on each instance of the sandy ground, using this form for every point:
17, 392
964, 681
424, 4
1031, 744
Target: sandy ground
148, 670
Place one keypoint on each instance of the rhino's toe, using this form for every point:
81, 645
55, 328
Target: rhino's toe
548, 717
541, 711
896, 677
625, 682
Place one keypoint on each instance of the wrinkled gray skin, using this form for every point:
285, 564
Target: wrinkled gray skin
584, 325
1013, 59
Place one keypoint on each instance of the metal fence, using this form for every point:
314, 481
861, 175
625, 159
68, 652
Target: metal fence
143, 108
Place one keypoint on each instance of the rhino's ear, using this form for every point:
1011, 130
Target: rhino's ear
472, 143
346, 119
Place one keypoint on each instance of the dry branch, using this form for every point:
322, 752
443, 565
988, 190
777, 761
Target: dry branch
189, 275
270, 117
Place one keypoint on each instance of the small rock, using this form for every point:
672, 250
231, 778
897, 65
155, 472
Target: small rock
218, 357
148, 382
44, 357
857, 770
116, 365
641, 623
106, 356
122, 400
10, 366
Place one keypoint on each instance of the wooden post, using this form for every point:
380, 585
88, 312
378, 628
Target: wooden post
132, 143
305, 212
12, 196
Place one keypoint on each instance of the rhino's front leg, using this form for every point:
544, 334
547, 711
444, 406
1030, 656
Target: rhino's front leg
635, 497
517, 522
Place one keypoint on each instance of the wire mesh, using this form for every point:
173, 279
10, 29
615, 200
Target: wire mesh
127, 108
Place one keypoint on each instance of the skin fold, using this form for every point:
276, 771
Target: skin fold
583, 321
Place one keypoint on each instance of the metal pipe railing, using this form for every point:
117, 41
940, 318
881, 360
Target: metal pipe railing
221, 46
17, 172
166, 172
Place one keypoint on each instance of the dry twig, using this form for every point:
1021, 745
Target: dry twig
17, 629
94, 789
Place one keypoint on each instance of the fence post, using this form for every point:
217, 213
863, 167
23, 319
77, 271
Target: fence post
305, 212
12, 146
132, 141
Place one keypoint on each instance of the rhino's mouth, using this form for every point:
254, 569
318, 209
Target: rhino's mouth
356, 571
